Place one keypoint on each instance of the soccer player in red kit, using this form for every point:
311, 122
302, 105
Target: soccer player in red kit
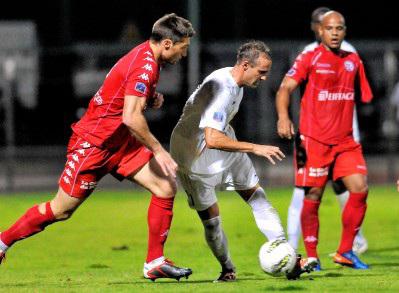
325, 137
113, 137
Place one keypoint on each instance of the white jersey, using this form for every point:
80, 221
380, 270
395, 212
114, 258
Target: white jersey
213, 104
349, 48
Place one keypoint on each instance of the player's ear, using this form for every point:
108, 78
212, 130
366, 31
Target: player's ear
245, 64
167, 43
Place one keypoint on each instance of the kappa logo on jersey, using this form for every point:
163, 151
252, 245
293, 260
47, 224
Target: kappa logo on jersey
310, 239
362, 167
327, 96
147, 67
349, 66
140, 87
291, 72
149, 59
318, 172
148, 53
218, 116
85, 145
144, 76
66, 180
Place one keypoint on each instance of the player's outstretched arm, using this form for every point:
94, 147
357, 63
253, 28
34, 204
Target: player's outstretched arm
216, 139
285, 127
135, 121
397, 184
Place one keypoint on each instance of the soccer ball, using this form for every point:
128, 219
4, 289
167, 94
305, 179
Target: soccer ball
277, 257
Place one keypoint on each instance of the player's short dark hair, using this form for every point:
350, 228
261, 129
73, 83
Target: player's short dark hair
251, 50
173, 27
317, 13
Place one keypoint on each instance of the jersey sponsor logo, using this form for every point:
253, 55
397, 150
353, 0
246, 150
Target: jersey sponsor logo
318, 172
325, 65
327, 96
218, 116
147, 67
144, 76
291, 72
349, 66
325, 71
140, 87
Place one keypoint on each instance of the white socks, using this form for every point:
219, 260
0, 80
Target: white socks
266, 216
3, 247
294, 217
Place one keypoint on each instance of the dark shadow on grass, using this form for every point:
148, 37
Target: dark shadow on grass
384, 249
98, 266
183, 281
286, 288
384, 264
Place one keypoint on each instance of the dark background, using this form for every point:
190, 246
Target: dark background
63, 21
61, 24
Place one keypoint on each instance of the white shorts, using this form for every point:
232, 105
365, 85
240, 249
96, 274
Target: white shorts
201, 188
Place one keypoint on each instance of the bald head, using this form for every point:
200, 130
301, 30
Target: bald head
335, 15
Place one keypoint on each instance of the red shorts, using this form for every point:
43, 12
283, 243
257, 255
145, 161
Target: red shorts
87, 164
342, 160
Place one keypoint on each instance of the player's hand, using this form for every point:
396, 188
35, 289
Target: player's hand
166, 162
397, 183
156, 101
268, 151
285, 128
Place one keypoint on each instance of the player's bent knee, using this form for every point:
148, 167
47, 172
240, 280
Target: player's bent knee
165, 188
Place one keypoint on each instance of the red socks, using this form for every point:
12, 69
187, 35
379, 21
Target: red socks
352, 218
29, 224
160, 214
310, 226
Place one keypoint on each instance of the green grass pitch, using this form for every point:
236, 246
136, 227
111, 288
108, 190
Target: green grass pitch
103, 246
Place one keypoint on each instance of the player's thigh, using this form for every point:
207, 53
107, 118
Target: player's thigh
240, 176
151, 177
356, 182
200, 190
350, 164
319, 158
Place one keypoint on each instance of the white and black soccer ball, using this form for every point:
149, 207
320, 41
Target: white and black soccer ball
277, 257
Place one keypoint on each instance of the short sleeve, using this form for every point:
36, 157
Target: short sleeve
216, 114
140, 80
299, 71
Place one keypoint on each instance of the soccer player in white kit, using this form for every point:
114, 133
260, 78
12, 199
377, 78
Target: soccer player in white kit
210, 157
360, 244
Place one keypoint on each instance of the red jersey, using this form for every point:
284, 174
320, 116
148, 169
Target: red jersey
327, 104
134, 74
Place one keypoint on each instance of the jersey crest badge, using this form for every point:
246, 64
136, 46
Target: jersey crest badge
218, 116
349, 66
140, 87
